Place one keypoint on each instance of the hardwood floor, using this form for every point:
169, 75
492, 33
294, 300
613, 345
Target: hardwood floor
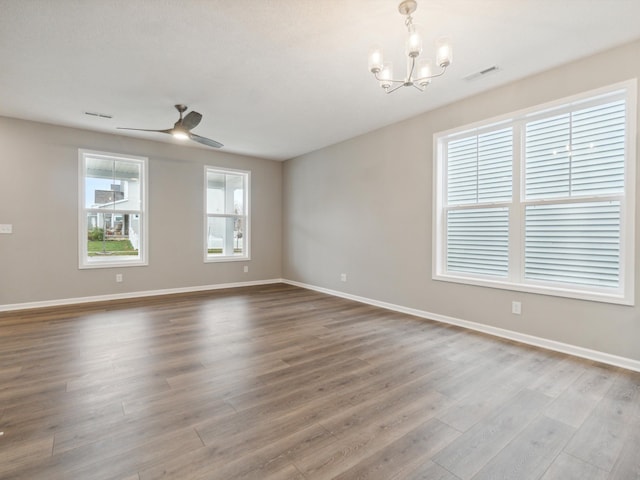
278, 382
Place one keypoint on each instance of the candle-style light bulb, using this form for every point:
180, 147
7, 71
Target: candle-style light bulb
424, 72
375, 59
386, 74
445, 53
414, 42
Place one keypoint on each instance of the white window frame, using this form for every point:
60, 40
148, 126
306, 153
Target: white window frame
86, 262
516, 281
246, 255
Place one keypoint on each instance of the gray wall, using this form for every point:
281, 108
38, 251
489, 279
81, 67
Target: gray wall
364, 207
38, 195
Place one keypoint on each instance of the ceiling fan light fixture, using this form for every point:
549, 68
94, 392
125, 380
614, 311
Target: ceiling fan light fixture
180, 134
419, 74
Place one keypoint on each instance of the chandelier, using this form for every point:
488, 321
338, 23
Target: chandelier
419, 73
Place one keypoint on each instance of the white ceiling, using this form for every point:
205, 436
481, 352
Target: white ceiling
273, 78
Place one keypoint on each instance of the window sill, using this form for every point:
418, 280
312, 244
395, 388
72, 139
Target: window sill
112, 263
555, 290
242, 258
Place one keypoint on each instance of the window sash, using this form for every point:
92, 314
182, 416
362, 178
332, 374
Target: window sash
137, 238
224, 241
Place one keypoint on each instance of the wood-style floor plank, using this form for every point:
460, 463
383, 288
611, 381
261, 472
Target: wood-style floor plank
470, 452
281, 383
403, 455
603, 435
530, 454
566, 467
22, 452
627, 465
429, 471
575, 404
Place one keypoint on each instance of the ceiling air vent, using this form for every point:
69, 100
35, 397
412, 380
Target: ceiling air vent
482, 73
96, 114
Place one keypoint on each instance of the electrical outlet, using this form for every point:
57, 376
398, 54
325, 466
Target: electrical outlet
246, 268
343, 277
6, 228
119, 278
516, 308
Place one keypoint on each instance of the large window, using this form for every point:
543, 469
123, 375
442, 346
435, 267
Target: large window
112, 210
226, 214
542, 201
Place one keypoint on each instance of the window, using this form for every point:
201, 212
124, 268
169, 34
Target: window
226, 214
542, 201
112, 209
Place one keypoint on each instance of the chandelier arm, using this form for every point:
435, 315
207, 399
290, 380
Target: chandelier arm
386, 90
375, 74
444, 69
417, 87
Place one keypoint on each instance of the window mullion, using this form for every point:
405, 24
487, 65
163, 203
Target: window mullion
477, 170
570, 153
516, 210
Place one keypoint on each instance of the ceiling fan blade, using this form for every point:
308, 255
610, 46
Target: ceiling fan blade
144, 130
205, 141
191, 120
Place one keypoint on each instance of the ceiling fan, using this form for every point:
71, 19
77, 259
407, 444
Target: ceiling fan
182, 128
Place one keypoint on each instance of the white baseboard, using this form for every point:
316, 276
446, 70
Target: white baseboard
124, 296
576, 351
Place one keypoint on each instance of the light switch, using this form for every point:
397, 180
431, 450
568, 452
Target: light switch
6, 228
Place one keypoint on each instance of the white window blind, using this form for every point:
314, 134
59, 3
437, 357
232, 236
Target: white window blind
574, 243
542, 201
576, 153
478, 241
479, 168
479, 172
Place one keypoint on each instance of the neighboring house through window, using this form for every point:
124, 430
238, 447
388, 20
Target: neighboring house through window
226, 214
112, 210
543, 200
